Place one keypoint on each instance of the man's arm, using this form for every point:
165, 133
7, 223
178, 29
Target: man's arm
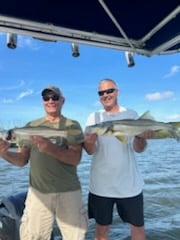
19, 158
89, 144
140, 142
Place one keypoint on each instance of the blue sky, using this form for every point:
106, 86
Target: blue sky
152, 84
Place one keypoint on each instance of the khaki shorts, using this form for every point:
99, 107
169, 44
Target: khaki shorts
41, 210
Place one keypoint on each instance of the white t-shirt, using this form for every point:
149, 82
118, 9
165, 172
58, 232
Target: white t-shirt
114, 170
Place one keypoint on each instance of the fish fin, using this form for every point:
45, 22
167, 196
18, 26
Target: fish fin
147, 115
105, 131
122, 139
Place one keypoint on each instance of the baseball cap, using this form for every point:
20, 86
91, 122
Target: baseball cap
52, 88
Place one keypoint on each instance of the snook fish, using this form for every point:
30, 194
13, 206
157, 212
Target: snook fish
130, 127
24, 133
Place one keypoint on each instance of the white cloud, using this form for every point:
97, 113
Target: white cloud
173, 71
20, 84
19, 97
97, 104
24, 94
174, 117
156, 96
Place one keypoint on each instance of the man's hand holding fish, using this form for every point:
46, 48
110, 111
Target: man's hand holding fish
43, 144
90, 139
140, 143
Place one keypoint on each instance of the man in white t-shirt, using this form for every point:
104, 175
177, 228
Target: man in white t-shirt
115, 178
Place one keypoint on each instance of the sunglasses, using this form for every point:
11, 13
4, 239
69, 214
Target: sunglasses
107, 91
54, 98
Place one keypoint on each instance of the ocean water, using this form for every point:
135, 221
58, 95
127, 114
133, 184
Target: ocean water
160, 168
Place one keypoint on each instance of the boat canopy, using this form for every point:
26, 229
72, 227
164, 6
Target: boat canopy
143, 27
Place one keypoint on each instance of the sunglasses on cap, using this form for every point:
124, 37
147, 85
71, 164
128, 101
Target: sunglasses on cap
107, 91
53, 97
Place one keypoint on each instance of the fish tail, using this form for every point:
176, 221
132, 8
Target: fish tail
176, 130
177, 134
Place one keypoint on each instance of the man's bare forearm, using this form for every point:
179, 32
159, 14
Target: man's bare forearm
15, 158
